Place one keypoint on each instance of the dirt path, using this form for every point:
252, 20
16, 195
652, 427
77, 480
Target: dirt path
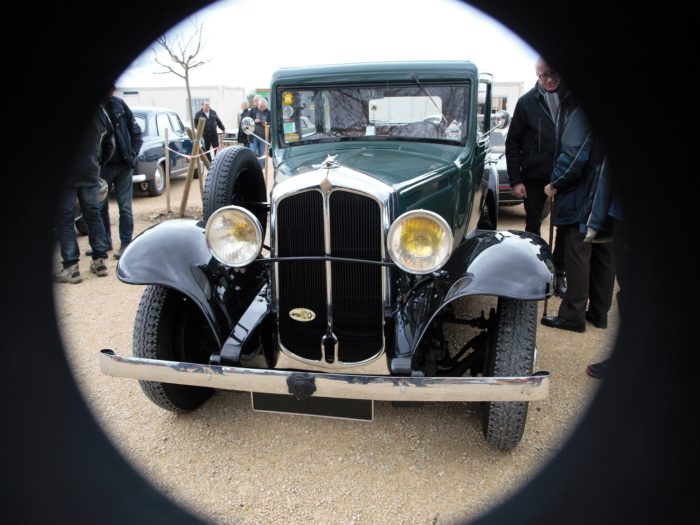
228, 464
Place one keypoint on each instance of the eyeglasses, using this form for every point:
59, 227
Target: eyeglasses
552, 75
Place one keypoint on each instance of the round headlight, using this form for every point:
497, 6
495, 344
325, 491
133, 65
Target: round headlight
420, 241
234, 236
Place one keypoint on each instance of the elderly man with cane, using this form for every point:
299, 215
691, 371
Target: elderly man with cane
589, 266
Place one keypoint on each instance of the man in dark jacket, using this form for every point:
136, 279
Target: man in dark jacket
118, 171
98, 147
530, 155
210, 136
589, 266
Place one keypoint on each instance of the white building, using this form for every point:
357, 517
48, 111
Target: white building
225, 100
504, 95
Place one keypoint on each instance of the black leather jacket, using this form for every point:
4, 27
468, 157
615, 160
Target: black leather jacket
210, 123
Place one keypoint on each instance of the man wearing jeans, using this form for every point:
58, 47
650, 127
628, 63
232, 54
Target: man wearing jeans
98, 147
118, 171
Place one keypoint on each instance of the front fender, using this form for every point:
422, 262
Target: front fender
175, 254
510, 264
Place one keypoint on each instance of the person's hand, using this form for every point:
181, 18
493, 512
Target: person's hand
519, 191
257, 120
550, 191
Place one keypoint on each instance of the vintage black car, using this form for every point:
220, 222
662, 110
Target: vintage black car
149, 173
373, 221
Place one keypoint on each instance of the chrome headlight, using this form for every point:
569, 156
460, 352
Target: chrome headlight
234, 236
420, 241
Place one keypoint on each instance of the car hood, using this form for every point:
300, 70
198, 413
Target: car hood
392, 165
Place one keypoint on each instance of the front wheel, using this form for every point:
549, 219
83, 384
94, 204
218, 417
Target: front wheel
511, 353
170, 327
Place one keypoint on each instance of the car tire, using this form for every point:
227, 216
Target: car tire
235, 177
157, 185
170, 327
489, 216
81, 225
511, 353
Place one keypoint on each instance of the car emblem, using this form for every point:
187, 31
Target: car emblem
303, 315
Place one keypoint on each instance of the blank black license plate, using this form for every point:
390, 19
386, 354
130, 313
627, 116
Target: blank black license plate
356, 409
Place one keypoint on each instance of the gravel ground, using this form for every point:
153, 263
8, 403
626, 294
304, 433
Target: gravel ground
228, 464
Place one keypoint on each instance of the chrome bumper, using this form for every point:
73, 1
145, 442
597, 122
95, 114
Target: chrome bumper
378, 388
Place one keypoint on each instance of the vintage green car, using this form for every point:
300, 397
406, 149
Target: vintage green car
382, 214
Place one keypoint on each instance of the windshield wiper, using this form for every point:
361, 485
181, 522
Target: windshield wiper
413, 77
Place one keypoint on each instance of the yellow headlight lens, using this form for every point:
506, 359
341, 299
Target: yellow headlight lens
420, 242
234, 236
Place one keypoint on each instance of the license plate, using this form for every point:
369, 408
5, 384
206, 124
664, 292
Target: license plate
355, 409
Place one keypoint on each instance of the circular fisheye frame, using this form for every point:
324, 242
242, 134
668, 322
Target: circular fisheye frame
234, 236
420, 242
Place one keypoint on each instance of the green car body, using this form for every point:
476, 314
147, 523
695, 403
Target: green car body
381, 214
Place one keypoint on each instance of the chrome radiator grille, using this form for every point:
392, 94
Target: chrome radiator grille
352, 314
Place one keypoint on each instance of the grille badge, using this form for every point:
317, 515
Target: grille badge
303, 315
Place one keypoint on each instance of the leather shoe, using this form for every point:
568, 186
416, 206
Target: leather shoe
563, 324
560, 284
598, 322
597, 370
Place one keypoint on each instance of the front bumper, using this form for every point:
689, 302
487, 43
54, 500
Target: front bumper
378, 388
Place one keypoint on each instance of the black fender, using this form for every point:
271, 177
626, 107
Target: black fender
510, 264
175, 254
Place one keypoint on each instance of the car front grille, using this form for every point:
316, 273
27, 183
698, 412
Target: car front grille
355, 312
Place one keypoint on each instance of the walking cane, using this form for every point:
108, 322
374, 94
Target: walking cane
551, 238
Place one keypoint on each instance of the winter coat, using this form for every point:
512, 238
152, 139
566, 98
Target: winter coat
242, 137
127, 133
531, 140
97, 148
264, 117
576, 171
210, 123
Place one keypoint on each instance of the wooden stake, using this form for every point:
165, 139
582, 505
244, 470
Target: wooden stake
196, 150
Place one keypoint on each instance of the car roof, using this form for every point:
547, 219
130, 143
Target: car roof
149, 109
377, 72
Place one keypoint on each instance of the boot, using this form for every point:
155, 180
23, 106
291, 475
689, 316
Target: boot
560, 284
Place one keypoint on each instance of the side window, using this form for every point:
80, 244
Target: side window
163, 123
141, 121
176, 123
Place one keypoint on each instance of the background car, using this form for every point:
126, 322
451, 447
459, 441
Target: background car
149, 173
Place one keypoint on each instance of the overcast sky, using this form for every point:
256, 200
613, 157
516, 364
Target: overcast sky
247, 40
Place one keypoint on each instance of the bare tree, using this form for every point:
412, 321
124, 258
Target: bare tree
183, 51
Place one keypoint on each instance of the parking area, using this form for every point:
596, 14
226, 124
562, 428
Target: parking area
426, 464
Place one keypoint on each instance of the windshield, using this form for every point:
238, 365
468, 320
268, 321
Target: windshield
425, 112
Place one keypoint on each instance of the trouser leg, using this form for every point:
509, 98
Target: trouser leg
558, 257
89, 202
124, 189
577, 255
65, 230
534, 206
602, 279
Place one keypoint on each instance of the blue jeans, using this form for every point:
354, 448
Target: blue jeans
119, 176
258, 147
88, 197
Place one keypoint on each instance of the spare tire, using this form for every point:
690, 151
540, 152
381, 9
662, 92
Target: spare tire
236, 178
